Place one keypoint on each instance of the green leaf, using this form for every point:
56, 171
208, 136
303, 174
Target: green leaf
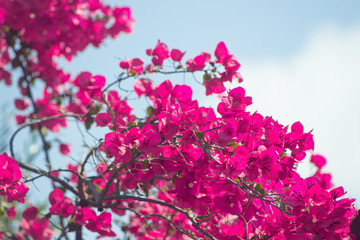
6, 28
58, 102
201, 217
258, 186
262, 192
191, 234
98, 188
206, 77
132, 72
132, 124
134, 151
152, 181
144, 164
141, 125
146, 191
200, 135
232, 143
150, 111
89, 121
95, 110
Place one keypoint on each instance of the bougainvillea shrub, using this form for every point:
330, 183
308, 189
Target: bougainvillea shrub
183, 171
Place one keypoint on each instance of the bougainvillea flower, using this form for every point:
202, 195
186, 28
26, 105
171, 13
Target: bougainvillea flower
318, 160
37, 228
60, 205
64, 149
136, 65
21, 104
11, 185
176, 55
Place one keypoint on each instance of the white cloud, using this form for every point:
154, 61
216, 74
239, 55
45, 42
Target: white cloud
319, 86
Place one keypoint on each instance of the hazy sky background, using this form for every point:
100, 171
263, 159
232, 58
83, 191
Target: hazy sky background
300, 62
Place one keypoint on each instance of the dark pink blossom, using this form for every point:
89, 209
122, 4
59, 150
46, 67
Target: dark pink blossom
221, 52
196, 64
176, 55
20, 119
149, 140
101, 224
60, 205
164, 89
21, 104
90, 87
2, 15
11, 185
37, 228
182, 93
324, 179
144, 86
136, 65
233, 104
64, 149
231, 64
214, 85
11, 213
85, 216
102, 119
6, 76
123, 21
318, 160
161, 51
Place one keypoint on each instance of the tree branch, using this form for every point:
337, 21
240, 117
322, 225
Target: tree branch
162, 203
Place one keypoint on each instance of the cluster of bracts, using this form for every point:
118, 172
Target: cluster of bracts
182, 171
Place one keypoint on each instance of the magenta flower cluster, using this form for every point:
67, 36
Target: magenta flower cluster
183, 171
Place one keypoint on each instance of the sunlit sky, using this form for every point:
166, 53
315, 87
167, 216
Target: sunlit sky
300, 62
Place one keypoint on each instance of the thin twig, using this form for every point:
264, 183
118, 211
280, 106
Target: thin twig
37, 121
162, 203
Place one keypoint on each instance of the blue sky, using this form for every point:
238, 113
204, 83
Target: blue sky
300, 62
251, 29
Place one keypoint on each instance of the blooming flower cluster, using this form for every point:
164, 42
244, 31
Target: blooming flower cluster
101, 224
60, 205
11, 184
239, 167
181, 172
34, 33
56, 28
37, 228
